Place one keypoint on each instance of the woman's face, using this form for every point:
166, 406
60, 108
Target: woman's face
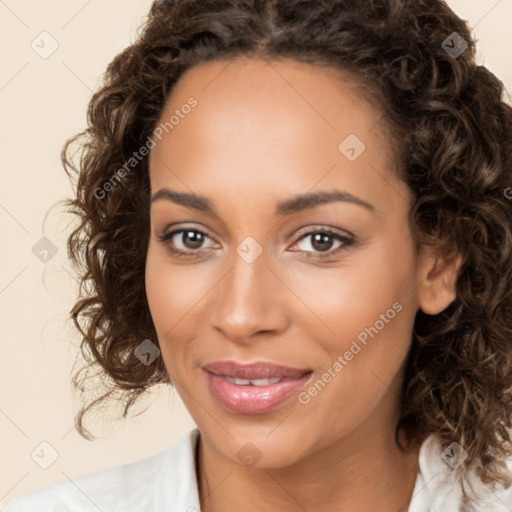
330, 286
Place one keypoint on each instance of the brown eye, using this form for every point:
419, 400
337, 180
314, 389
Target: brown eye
184, 242
192, 239
322, 242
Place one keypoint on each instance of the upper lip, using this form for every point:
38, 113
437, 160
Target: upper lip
258, 370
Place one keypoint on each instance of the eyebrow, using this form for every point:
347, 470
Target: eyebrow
287, 207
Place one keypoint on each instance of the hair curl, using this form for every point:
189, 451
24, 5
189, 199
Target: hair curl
454, 145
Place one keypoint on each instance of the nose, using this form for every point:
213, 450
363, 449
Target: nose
250, 300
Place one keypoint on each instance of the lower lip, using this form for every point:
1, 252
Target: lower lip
254, 399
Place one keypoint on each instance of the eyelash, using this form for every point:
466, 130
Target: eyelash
346, 242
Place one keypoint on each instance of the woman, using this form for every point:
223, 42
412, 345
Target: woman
295, 213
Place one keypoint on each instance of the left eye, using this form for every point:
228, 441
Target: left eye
322, 241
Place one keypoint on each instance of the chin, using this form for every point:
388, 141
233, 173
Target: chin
259, 445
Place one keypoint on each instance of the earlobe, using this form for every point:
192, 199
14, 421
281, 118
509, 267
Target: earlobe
439, 275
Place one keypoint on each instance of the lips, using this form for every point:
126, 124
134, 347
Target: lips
253, 371
253, 388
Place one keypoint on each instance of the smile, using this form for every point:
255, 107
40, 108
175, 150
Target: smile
270, 387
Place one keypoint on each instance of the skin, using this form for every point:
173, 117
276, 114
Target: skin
263, 132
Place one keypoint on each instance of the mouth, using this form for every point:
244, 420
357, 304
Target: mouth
254, 388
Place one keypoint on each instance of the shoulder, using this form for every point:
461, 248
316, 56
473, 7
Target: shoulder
437, 488
154, 483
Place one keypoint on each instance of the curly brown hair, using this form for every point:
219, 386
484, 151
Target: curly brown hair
453, 131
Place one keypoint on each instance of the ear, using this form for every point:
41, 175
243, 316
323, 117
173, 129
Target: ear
439, 269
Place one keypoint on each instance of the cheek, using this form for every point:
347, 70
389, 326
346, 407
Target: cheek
161, 290
369, 310
175, 294
171, 289
352, 297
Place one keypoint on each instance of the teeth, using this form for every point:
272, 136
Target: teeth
253, 382
266, 382
239, 382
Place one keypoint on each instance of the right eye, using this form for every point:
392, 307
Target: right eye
190, 240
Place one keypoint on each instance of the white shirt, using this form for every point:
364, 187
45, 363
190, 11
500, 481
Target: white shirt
166, 482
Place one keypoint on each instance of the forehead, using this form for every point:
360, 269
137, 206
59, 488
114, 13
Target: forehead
280, 123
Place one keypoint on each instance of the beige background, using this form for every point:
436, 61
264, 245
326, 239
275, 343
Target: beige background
42, 102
